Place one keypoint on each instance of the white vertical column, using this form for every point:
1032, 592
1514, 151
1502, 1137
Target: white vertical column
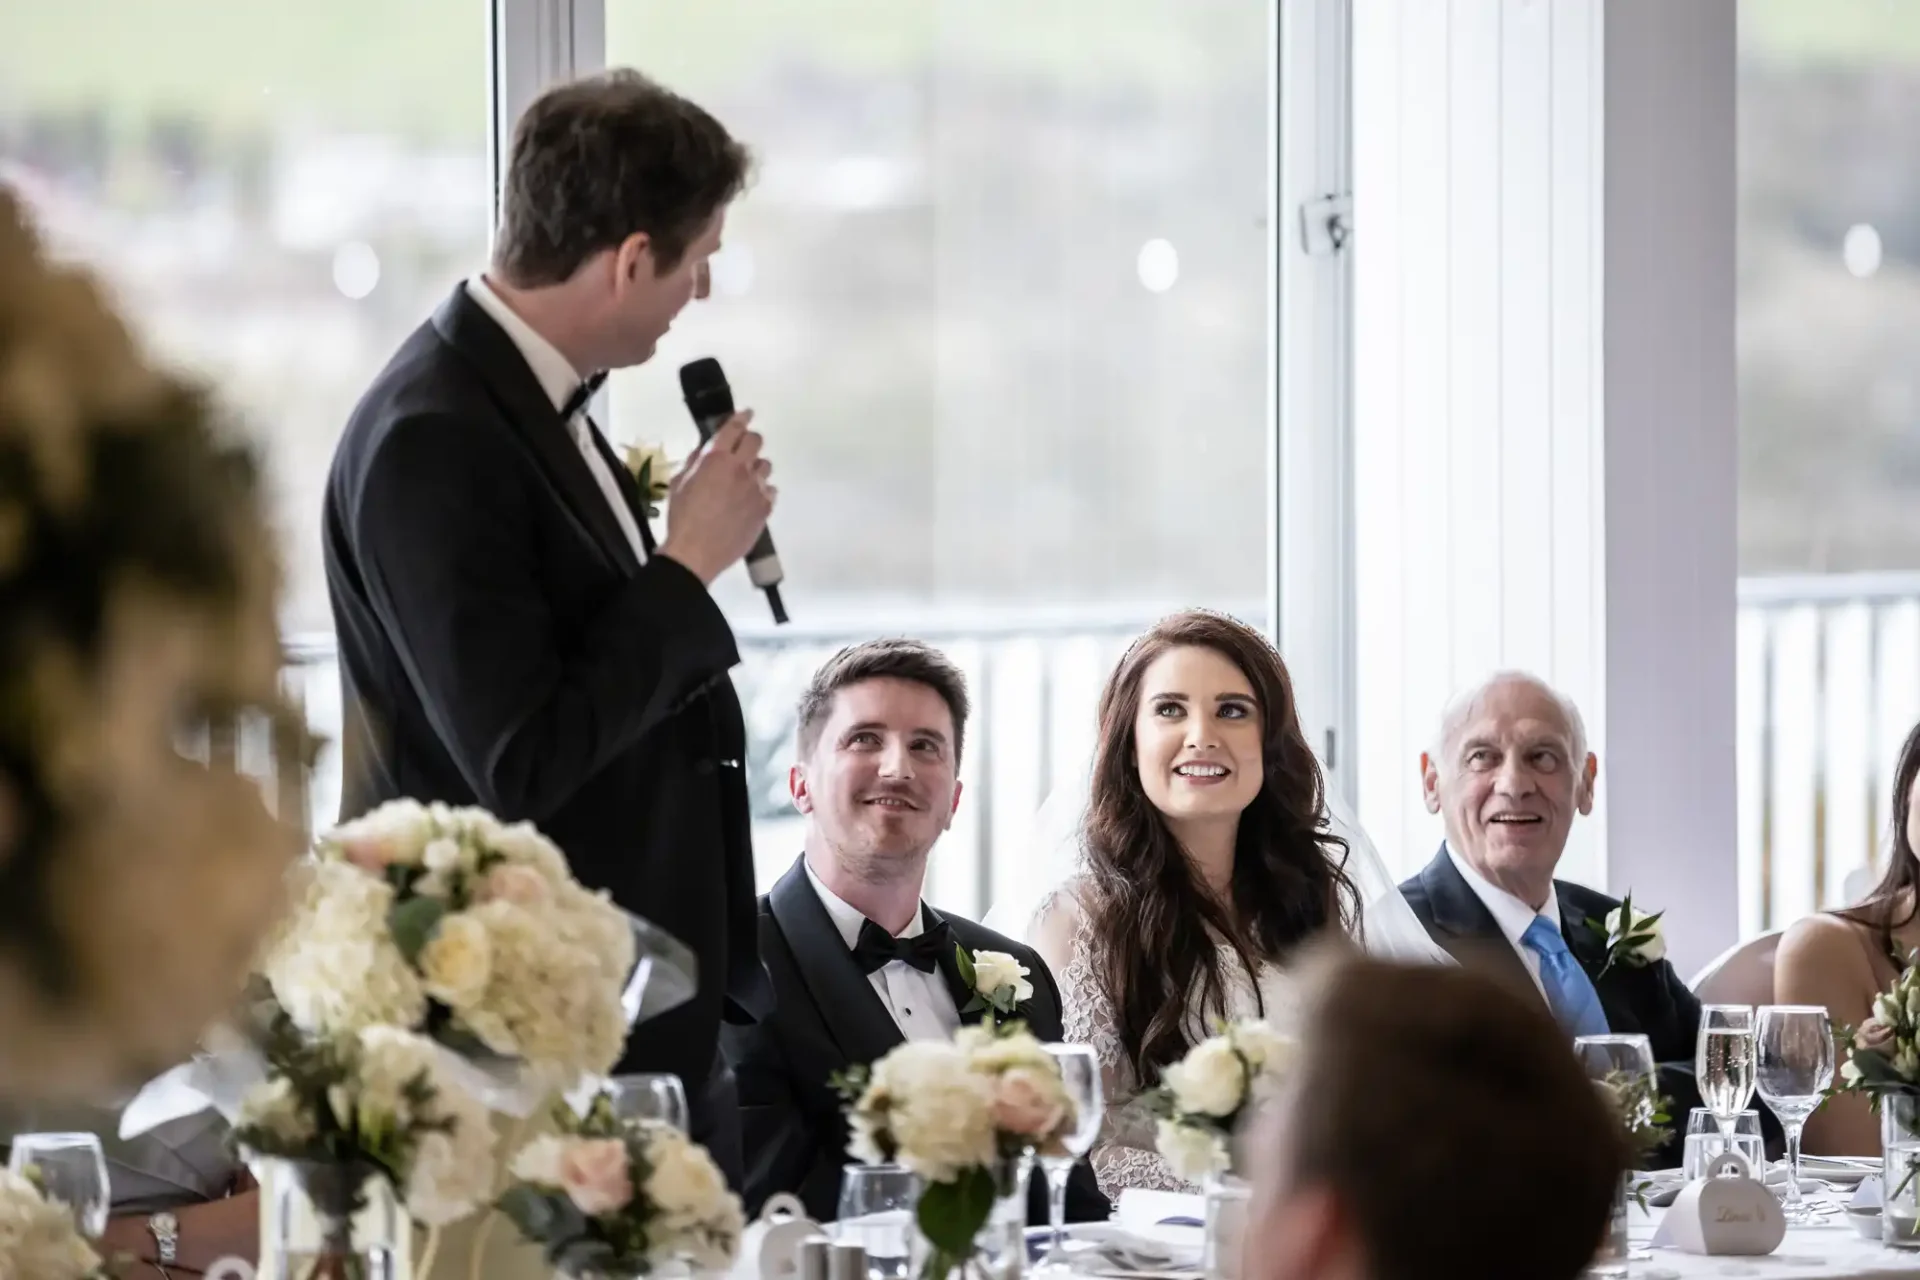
1543, 411
536, 44
1671, 472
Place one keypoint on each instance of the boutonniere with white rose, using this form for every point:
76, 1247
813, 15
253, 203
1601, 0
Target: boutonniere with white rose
1633, 938
652, 471
1202, 1097
997, 980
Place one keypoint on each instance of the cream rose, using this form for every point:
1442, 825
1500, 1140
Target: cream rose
539, 1161
1264, 1048
457, 962
1873, 1034
1190, 1151
685, 1184
1029, 1102
594, 1174
652, 462
1653, 949
995, 970
1210, 1081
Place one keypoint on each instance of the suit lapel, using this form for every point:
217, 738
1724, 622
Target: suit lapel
629, 487
469, 330
848, 1004
1590, 949
1460, 916
950, 966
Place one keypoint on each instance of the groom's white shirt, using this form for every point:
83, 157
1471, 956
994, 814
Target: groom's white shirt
920, 1003
559, 379
1512, 915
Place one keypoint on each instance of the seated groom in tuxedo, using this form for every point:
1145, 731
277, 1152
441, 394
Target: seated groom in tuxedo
1510, 772
859, 963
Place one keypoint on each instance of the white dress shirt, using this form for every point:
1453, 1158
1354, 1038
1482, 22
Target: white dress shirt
921, 1005
559, 379
1512, 915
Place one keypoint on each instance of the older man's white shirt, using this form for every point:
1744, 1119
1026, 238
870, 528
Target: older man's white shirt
1512, 915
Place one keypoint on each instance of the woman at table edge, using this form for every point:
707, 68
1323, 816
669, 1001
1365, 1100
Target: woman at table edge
1843, 959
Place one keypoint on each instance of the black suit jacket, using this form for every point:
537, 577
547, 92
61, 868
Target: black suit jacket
1650, 999
828, 1017
500, 645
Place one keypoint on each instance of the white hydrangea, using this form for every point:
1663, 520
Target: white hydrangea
38, 1239
547, 1001
333, 964
937, 1108
1189, 1150
451, 1174
274, 1106
702, 1219
987, 1051
457, 961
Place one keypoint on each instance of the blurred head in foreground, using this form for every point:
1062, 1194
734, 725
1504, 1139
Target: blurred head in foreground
1423, 1096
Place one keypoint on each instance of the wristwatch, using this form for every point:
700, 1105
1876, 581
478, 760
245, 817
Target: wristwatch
165, 1230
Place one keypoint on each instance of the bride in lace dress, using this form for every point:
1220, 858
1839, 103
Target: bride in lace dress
1205, 856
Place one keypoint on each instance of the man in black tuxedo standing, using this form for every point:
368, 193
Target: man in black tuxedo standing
511, 635
859, 963
1508, 775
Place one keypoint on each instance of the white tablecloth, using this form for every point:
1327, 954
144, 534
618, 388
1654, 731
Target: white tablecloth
1829, 1252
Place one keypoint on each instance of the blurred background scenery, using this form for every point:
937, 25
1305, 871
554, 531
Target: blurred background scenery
1000, 296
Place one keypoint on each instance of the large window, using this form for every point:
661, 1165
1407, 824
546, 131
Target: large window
277, 190
1829, 369
999, 295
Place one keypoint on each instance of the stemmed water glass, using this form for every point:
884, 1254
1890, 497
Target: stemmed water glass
1080, 1073
72, 1170
1723, 1062
650, 1096
1794, 1045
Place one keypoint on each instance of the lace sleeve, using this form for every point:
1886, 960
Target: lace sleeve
1124, 1155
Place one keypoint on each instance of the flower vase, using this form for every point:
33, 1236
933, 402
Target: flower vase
1900, 1174
1227, 1195
332, 1222
1000, 1246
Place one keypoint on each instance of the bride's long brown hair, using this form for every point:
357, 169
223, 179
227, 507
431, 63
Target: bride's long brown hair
1155, 923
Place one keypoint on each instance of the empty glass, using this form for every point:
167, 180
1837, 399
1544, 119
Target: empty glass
1607, 1060
1794, 1066
651, 1096
876, 1212
1705, 1142
1080, 1073
72, 1171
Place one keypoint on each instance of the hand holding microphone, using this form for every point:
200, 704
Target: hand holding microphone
718, 504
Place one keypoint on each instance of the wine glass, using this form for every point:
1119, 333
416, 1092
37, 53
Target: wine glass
1794, 1066
1723, 1062
650, 1096
1080, 1073
72, 1170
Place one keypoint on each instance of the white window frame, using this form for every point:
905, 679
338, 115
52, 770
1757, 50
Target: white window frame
533, 45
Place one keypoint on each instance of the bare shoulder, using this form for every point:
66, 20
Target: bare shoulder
1824, 957
1066, 902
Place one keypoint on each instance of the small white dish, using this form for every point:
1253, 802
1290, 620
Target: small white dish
1866, 1223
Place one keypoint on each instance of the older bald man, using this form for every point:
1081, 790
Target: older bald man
1508, 774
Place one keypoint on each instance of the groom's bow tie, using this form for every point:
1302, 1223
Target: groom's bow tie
581, 394
876, 948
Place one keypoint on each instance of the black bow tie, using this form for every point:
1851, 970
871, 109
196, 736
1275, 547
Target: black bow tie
876, 948
581, 394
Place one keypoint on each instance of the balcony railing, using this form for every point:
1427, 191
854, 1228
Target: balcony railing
1828, 684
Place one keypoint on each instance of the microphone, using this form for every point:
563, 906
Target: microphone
710, 401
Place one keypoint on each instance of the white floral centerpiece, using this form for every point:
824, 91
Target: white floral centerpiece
963, 1115
451, 923
378, 1104
38, 1238
1203, 1097
607, 1197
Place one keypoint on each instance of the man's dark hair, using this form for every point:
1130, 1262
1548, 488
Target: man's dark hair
883, 660
1425, 1088
601, 158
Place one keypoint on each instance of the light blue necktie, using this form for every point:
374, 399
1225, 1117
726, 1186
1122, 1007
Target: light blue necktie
1569, 991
